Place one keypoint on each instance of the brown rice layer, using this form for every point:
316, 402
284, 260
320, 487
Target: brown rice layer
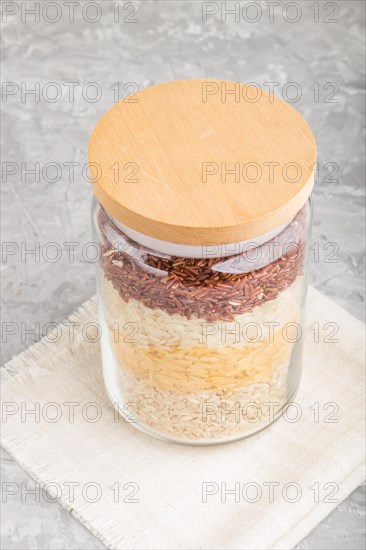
211, 289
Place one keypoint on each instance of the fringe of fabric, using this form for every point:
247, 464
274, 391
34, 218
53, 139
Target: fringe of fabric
37, 354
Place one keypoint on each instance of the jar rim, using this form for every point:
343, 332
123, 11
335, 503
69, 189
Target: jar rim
205, 250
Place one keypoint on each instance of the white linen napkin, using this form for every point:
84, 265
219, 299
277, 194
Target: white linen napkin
132, 491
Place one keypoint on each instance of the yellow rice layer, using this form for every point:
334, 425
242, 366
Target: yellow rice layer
199, 368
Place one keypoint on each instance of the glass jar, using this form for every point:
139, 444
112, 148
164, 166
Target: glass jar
202, 350
203, 219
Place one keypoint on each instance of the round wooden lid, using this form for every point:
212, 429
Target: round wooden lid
198, 161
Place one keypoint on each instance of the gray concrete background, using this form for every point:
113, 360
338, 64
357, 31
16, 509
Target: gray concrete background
323, 52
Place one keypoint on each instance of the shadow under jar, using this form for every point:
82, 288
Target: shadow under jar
201, 335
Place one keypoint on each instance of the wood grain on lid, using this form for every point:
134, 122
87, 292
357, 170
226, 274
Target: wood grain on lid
197, 161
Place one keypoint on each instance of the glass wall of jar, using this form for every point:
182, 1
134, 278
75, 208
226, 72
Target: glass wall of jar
202, 350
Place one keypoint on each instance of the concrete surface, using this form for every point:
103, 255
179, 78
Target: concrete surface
168, 40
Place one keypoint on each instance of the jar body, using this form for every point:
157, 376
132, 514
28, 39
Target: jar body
201, 350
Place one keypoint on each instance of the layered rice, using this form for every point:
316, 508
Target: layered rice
183, 376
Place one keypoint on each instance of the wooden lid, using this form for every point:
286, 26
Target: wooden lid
197, 161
